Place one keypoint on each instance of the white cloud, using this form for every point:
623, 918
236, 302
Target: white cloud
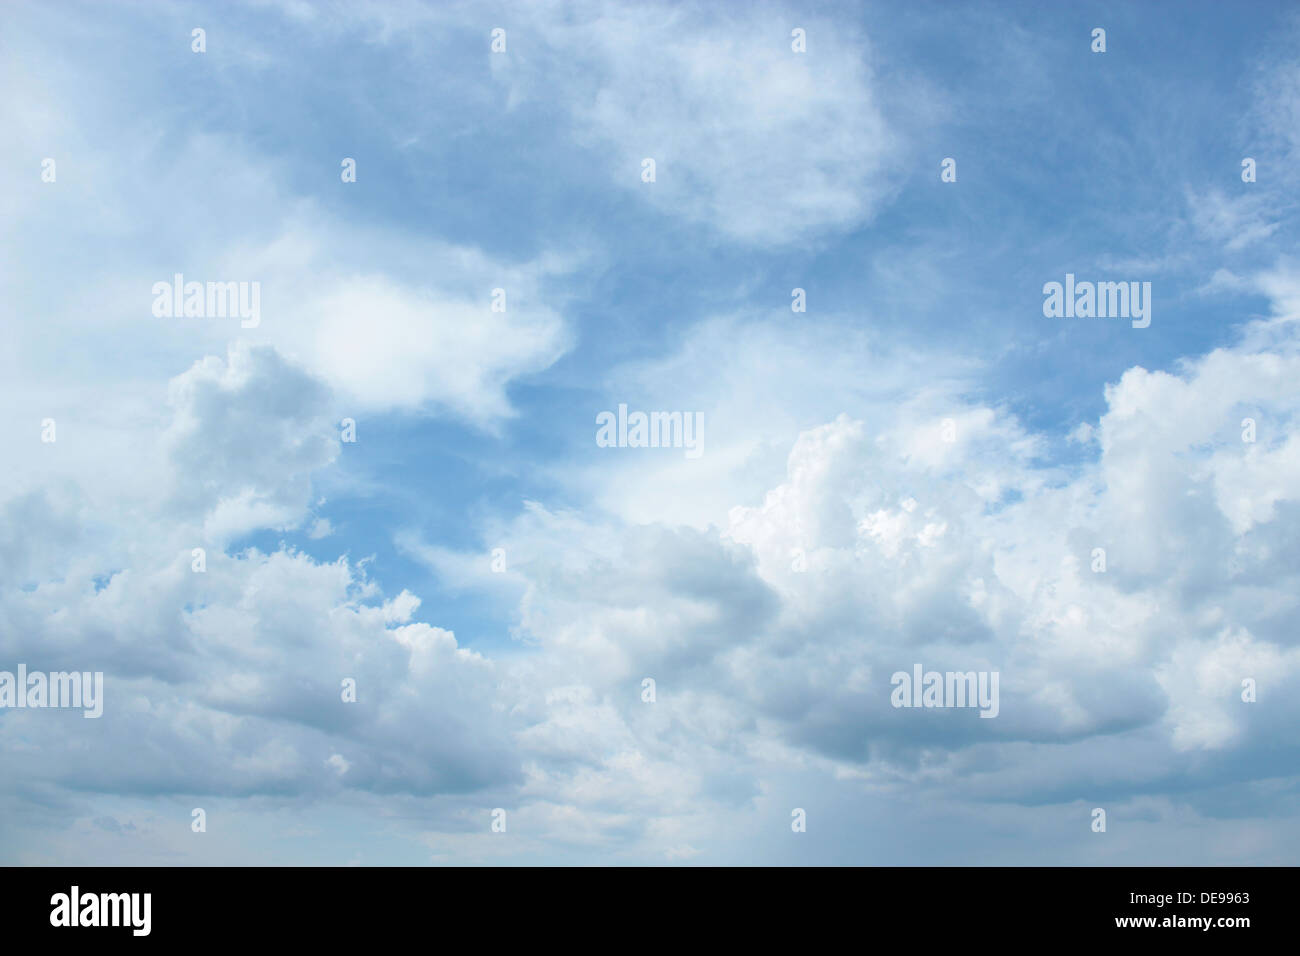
916, 554
772, 682
796, 144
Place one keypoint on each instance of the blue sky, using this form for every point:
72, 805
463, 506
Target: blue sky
823, 432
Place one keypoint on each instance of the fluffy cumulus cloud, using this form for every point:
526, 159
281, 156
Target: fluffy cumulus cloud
1124, 603
770, 636
227, 669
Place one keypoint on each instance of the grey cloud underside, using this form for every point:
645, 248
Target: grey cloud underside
227, 683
